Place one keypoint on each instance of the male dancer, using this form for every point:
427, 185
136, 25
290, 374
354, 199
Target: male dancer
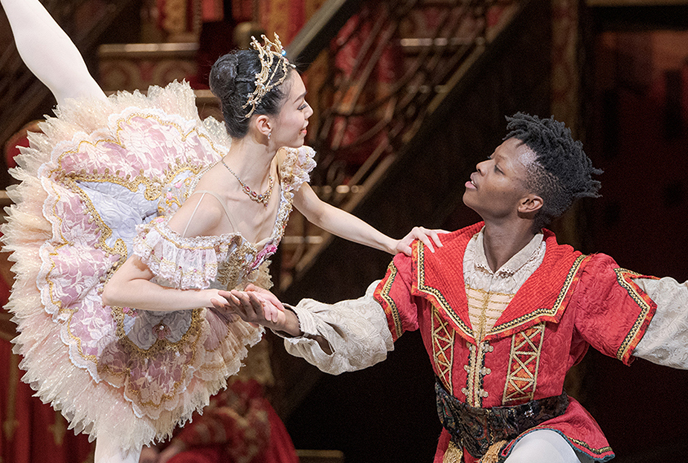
503, 309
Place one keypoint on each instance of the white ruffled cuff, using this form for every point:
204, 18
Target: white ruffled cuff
356, 331
307, 324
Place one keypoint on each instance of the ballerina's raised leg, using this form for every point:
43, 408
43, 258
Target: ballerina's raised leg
54, 59
48, 52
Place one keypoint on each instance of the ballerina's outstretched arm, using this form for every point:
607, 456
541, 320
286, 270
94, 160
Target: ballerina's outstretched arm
48, 51
349, 227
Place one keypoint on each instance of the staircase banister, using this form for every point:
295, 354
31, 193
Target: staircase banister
320, 29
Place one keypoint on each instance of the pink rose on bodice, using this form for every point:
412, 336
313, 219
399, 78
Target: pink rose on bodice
268, 250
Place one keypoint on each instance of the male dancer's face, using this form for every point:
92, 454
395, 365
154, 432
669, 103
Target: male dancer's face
498, 185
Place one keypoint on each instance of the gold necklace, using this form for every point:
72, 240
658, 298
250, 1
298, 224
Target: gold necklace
257, 197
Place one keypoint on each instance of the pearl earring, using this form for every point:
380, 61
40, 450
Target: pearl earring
269, 133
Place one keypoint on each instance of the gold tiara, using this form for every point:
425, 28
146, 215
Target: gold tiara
268, 53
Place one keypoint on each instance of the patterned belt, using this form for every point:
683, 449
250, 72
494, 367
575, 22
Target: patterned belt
477, 429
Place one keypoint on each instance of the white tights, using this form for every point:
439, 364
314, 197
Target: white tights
107, 452
48, 52
544, 446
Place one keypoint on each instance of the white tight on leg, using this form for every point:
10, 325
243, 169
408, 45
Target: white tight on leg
108, 452
544, 446
48, 52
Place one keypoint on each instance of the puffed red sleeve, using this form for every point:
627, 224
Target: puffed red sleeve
611, 311
393, 293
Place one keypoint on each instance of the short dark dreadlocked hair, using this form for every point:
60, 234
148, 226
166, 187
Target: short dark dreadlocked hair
561, 172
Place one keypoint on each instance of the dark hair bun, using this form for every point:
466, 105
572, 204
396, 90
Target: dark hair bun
232, 80
222, 76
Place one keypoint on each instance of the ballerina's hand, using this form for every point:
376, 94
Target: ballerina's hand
254, 306
267, 295
423, 234
219, 305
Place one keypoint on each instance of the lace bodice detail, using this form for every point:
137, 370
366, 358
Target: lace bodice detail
226, 261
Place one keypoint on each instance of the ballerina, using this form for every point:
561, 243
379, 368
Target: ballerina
132, 214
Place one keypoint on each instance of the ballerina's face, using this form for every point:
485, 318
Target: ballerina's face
290, 126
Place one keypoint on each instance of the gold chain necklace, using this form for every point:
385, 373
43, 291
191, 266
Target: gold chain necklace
255, 196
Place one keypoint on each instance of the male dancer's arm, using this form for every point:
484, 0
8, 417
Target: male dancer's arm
627, 315
346, 336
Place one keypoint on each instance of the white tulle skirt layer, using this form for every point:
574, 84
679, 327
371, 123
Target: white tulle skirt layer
98, 170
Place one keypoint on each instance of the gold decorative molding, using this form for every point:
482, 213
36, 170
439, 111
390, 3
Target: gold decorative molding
135, 66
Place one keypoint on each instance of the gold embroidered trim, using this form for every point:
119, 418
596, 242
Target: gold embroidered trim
171, 201
234, 269
524, 363
437, 295
545, 311
587, 447
623, 277
443, 349
492, 454
160, 345
384, 294
484, 309
154, 188
476, 372
454, 454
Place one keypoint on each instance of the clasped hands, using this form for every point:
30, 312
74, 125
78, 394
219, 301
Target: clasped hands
258, 306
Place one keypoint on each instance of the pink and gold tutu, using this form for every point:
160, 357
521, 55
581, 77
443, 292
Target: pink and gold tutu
99, 184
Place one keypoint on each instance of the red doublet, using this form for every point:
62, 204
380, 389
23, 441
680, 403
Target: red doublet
570, 302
